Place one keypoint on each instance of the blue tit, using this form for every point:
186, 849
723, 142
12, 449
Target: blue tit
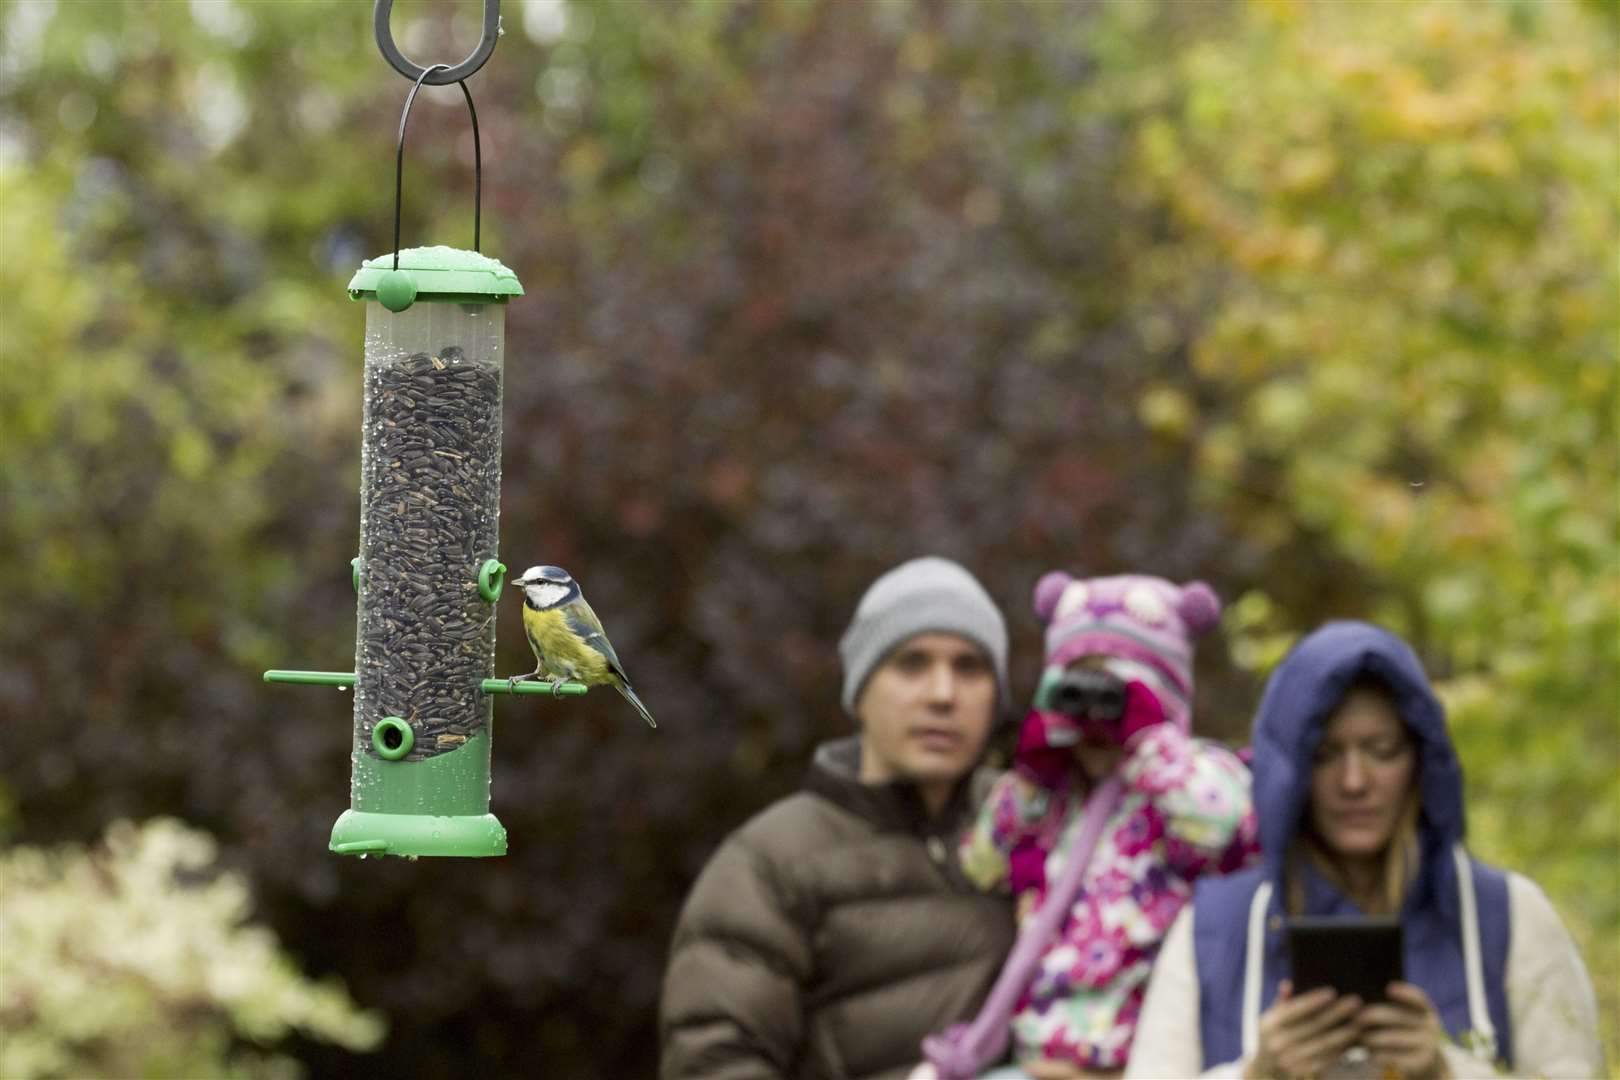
567, 638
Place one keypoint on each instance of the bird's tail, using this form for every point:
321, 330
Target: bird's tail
630, 695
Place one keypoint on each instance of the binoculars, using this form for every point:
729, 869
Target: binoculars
1086, 695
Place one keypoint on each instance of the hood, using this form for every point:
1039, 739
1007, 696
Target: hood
1300, 694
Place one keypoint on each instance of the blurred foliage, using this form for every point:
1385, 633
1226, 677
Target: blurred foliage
136, 958
1396, 228
1201, 289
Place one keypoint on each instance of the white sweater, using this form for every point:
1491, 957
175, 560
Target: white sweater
1551, 1007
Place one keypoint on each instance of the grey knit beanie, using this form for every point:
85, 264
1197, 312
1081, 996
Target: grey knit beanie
927, 595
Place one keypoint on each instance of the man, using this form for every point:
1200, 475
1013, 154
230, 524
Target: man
832, 932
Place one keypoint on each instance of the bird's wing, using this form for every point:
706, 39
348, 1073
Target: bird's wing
583, 621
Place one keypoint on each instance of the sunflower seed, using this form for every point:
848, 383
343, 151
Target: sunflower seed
430, 495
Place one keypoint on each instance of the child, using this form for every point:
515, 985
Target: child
1110, 812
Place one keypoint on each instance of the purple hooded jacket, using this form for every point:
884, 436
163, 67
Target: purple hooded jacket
1306, 687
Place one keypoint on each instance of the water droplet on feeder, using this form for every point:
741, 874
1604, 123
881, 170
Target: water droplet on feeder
411, 858
362, 854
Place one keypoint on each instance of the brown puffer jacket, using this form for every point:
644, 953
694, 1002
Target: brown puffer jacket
829, 934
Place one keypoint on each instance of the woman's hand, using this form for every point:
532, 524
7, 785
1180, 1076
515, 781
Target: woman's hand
1302, 1036
1404, 1034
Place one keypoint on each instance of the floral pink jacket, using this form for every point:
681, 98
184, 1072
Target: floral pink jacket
1186, 812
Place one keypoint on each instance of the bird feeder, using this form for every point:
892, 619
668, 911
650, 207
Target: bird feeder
428, 575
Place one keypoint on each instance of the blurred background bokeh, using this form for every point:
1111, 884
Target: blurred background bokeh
1315, 301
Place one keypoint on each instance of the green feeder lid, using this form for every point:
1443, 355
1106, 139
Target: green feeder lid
434, 273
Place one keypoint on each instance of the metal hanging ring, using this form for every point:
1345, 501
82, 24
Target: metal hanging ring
445, 73
399, 157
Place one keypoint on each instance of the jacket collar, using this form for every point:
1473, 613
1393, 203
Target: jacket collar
894, 806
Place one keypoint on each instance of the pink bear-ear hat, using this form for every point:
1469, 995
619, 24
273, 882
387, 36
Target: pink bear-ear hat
1049, 590
1199, 608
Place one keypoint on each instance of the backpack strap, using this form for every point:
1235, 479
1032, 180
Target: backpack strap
1479, 1012
1254, 967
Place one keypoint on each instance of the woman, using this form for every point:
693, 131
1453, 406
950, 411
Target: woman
1360, 800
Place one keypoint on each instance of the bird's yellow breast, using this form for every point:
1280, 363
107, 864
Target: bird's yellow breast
561, 652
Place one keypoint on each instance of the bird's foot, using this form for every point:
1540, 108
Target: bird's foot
512, 681
556, 686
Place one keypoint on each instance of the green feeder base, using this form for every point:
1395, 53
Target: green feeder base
360, 832
388, 799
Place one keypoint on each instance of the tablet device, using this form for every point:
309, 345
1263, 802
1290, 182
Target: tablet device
1358, 955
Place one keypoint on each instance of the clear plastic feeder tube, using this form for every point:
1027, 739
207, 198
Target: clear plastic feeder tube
430, 492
